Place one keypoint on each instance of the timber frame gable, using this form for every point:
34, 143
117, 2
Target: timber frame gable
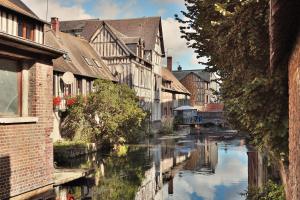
162, 44
109, 45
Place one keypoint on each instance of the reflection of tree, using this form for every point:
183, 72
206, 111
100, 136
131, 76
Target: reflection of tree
204, 158
124, 175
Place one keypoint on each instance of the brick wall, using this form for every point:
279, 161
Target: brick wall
26, 152
189, 84
294, 124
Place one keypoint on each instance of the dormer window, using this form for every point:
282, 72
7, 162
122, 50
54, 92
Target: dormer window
88, 61
97, 63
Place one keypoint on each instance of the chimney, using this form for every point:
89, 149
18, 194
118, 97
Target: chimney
169, 63
179, 68
55, 24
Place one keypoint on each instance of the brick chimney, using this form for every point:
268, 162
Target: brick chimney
55, 24
170, 63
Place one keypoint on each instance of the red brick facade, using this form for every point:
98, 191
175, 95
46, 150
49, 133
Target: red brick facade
26, 153
294, 124
191, 82
188, 84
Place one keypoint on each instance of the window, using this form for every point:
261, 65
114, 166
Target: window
97, 63
79, 86
88, 61
29, 31
88, 87
25, 29
10, 88
20, 27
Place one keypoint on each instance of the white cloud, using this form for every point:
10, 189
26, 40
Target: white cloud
231, 172
174, 44
112, 9
71, 9
170, 1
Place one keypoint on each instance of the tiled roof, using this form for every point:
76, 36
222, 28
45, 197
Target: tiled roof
200, 73
77, 49
66, 26
145, 28
20, 7
176, 86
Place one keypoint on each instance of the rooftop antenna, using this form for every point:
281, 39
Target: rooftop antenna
47, 11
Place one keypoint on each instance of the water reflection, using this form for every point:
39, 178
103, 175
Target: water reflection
186, 168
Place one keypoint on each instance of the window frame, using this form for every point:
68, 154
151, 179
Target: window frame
19, 93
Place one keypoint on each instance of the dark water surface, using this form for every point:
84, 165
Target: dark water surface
181, 168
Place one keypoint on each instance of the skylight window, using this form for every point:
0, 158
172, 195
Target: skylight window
88, 61
97, 63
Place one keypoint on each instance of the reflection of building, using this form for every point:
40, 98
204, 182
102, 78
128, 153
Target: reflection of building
148, 187
204, 159
257, 169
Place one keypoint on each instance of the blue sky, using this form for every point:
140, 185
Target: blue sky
118, 9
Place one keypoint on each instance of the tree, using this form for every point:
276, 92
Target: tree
109, 115
234, 36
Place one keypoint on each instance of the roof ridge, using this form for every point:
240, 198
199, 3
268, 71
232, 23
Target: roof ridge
77, 20
134, 18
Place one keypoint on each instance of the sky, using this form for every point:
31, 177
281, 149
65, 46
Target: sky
119, 9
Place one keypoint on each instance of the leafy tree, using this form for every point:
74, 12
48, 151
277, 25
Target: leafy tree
109, 115
233, 35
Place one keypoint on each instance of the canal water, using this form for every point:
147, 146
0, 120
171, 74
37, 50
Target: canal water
167, 168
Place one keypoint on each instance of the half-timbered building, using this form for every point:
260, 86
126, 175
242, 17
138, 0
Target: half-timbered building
81, 62
133, 49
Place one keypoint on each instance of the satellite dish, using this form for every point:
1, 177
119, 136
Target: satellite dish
119, 69
68, 78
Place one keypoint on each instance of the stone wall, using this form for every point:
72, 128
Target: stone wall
294, 124
26, 152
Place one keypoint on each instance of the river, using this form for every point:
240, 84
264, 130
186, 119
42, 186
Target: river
168, 168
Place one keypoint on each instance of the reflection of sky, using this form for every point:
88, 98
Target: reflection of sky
230, 178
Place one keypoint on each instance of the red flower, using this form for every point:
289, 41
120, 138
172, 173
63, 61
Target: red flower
71, 101
56, 101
